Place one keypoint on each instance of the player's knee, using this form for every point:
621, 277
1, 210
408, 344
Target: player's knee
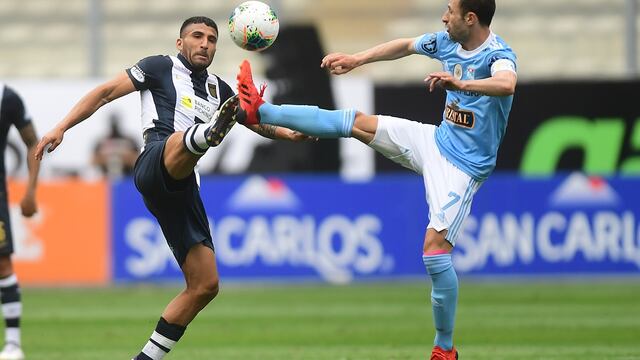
211, 289
208, 290
365, 122
436, 240
364, 127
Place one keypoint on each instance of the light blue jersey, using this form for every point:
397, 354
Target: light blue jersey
473, 124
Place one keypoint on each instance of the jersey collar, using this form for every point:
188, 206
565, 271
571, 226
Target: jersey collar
470, 53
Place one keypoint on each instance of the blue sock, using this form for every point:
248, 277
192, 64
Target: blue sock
310, 120
444, 297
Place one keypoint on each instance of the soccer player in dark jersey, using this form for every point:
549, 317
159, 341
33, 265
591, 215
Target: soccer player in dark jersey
13, 112
180, 122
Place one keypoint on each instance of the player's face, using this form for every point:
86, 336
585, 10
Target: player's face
197, 44
455, 23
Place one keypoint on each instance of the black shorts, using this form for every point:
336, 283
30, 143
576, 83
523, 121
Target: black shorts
6, 240
176, 204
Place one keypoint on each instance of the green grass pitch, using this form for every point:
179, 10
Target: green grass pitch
513, 320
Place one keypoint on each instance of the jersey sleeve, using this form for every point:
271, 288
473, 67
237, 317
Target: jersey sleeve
502, 60
146, 72
430, 44
225, 91
14, 110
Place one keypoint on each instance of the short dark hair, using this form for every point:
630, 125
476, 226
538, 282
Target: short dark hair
484, 9
198, 20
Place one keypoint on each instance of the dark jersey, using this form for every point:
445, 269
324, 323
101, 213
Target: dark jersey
173, 96
12, 112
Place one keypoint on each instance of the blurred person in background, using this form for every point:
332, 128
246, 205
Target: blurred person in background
179, 101
13, 112
455, 158
115, 154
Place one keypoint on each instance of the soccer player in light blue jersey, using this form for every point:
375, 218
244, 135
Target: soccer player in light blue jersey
454, 158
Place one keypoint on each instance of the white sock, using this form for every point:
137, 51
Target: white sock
11, 308
12, 335
158, 346
195, 139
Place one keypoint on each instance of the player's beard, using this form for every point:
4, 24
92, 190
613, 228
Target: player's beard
200, 65
457, 35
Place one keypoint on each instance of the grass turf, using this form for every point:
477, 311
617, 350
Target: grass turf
495, 321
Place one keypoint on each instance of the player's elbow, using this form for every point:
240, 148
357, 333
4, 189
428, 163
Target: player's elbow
510, 90
506, 89
509, 85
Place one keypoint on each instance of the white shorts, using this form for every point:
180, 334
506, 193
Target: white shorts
449, 190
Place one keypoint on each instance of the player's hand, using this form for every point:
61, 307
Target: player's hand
28, 205
297, 136
444, 80
339, 63
51, 139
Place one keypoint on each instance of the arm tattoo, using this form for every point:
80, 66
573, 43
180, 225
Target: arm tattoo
267, 130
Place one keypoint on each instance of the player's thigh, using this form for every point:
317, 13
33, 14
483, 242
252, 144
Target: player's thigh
200, 268
449, 194
151, 176
404, 141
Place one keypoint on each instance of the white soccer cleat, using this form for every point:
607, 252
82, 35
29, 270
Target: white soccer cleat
11, 352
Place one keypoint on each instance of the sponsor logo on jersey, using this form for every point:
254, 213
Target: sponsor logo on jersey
203, 109
213, 90
457, 71
137, 73
3, 234
471, 73
459, 117
431, 46
186, 101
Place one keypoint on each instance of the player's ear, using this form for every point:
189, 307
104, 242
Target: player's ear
470, 18
179, 44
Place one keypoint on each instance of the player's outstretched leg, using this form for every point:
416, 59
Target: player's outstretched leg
309, 120
444, 298
198, 138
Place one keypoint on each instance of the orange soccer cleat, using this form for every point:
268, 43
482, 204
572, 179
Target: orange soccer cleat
250, 98
439, 353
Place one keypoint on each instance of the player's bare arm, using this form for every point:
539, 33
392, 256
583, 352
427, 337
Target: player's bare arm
28, 204
279, 133
503, 83
103, 94
339, 63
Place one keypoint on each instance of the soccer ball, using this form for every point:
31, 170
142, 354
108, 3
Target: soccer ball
253, 26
